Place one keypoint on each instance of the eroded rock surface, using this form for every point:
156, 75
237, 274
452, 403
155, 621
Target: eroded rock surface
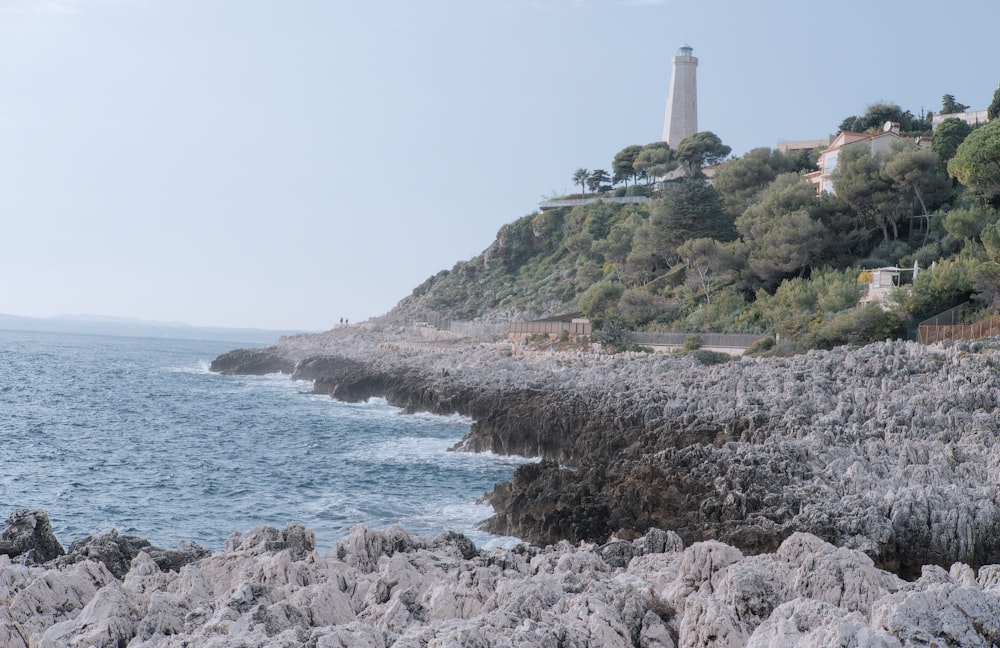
890, 449
27, 537
272, 588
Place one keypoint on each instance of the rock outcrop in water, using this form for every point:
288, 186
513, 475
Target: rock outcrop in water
377, 589
890, 449
27, 539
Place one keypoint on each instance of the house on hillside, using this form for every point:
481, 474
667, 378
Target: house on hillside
975, 118
790, 146
876, 143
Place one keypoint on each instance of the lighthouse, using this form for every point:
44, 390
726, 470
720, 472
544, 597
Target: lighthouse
682, 102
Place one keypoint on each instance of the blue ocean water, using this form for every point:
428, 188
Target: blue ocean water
136, 434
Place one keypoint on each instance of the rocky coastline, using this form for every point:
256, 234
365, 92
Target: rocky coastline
844, 497
889, 449
375, 589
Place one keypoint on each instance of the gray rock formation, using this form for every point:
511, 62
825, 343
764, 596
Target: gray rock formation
271, 588
28, 539
252, 362
116, 552
888, 448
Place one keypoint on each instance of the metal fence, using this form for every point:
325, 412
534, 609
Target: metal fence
475, 330
931, 333
712, 340
521, 330
576, 202
478, 330
950, 316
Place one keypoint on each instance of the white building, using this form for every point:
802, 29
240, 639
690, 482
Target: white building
971, 118
682, 103
875, 142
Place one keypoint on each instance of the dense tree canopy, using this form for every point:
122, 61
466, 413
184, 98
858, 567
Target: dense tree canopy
741, 180
879, 113
598, 181
859, 182
949, 106
917, 172
710, 264
622, 168
976, 163
653, 161
781, 236
701, 149
993, 112
692, 210
947, 137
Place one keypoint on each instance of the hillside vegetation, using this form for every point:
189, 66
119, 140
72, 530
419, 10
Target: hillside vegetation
754, 249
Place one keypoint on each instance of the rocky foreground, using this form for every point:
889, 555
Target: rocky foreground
271, 588
841, 498
890, 449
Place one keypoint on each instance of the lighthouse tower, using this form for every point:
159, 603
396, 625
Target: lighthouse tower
682, 103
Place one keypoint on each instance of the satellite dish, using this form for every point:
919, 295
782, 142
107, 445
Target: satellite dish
887, 127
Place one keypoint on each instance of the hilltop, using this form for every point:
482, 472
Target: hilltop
755, 248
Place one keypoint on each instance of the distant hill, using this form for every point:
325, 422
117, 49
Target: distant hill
127, 327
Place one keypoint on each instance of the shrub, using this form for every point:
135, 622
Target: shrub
693, 343
760, 345
949, 284
706, 357
885, 254
638, 307
600, 298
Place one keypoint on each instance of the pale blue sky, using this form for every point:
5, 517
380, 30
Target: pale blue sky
258, 163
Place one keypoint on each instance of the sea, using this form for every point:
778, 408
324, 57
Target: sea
136, 434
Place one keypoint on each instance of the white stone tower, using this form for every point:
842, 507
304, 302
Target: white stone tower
682, 102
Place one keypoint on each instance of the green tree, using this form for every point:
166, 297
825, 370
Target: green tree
969, 221
948, 136
579, 243
701, 149
993, 112
637, 307
951, 282
598, 181
976, 163
600, 217
879, 113
654, 160
917, 172
781, 236
858, 181
645, 260
949, 106
616, 246
622, 168
580, 178
709, 264
599, 301
990, 236
691, 210
741, 180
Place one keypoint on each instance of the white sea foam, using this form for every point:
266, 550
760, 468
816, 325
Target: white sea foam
142, 436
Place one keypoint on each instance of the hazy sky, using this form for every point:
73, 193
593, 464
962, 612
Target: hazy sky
283, 164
